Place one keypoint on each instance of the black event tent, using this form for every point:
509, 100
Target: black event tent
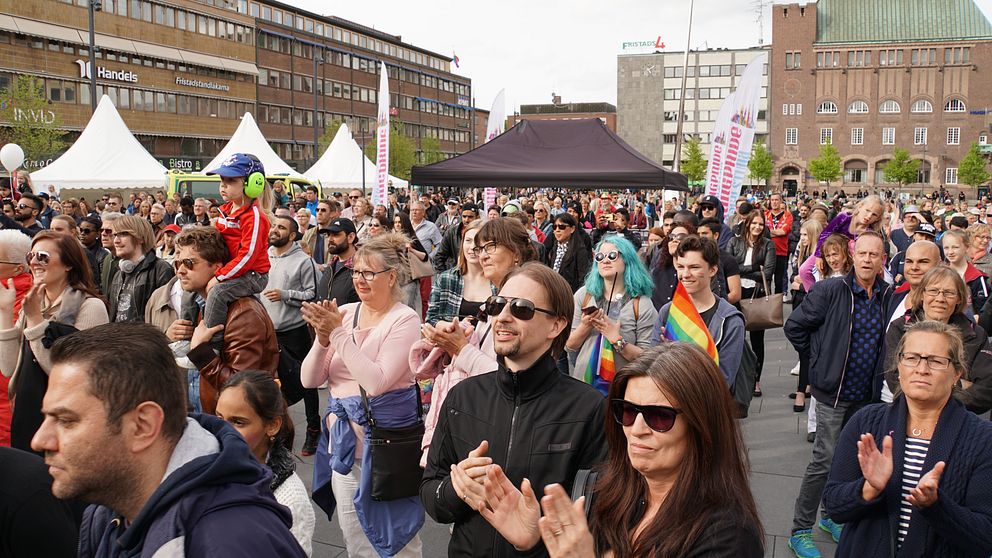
552, 153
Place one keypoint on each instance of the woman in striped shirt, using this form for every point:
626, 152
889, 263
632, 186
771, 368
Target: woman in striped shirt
914, 477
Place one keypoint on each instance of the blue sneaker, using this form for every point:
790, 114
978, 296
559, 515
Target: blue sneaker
801, 542
834, 529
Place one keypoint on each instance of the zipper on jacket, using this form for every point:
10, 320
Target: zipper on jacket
513, 417
847, 353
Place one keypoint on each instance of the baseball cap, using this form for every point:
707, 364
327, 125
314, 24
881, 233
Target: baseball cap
453, 201
511, 207
974, 211
172, 228
339, 225
910, 210
43, 195
470, 207
927, 229
709, 200
239, 164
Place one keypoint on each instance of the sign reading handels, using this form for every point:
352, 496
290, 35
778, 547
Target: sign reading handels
104, 73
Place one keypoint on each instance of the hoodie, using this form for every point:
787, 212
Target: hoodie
727, 329
726, 233
294, 274
214, 501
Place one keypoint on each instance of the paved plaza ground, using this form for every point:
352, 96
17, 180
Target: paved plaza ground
776, 438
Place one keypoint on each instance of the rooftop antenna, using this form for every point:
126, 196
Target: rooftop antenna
759, 9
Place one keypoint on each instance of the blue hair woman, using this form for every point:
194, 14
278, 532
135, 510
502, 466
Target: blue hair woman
613, 313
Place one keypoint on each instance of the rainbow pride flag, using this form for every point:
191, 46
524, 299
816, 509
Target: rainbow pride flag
685, 324
602, 365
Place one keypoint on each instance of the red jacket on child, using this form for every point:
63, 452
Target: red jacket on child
246, 232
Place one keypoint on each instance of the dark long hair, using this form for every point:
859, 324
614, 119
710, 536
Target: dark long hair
714, 471
746, 229
665, 259
265, 398
80, 275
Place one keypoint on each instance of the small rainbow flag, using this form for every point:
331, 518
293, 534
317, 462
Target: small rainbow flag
455, 59
602, 365
685, 324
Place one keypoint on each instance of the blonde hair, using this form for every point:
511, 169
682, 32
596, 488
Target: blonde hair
876, 201
462, 262
139, 228
812, 228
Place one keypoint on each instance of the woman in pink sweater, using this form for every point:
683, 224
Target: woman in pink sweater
360, 346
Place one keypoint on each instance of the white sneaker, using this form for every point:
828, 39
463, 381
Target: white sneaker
795, 370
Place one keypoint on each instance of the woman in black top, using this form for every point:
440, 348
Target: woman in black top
755, 255
567, 251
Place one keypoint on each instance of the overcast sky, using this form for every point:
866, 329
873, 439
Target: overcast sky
536, 47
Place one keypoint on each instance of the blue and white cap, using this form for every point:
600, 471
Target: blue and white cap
239, 164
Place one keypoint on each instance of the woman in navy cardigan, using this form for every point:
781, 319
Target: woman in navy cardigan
924, 457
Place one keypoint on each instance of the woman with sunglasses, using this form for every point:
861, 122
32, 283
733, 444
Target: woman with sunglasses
613, 314
415, 249
501, 245
663, 264
63, 300
568, 251
675, 479
377, 226
911, 478
755, 255
361, 350
943, 297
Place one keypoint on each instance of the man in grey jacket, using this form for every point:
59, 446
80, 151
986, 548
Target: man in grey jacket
292, 281
696, 260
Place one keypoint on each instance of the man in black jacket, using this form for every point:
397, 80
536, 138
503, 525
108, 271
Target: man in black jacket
526, 416
841, 325
336, 284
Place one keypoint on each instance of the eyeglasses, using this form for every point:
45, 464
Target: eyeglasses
322, 210
934, 292
934, 362
539, 211
368, 276
489, 248
354, 197
520, 308
374, 225
612, 256
188, 263
561, 227
677, 237
107, 232
122, 234
660, 418
87, 230
40, 256
707, 208
25, 206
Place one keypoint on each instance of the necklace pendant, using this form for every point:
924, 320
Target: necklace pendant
917, 432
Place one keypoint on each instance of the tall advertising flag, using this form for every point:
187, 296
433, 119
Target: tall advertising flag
497, 116
733, 135
382, 142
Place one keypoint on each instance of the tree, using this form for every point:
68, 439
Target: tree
901, 169
826, 167
693, 164
972, 169
29, 122
760, 167
402, 154
330, 130
430, 151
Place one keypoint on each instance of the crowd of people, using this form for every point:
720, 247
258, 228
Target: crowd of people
503, 366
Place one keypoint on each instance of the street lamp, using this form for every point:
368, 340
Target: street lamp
94, 6
318, 58
677, 162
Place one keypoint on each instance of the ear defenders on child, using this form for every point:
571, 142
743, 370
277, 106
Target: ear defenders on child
255, 181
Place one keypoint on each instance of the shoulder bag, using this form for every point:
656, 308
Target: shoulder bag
395, 452
765, 312
419, 268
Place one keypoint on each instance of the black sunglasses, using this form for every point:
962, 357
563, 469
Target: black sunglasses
520, 308
660, 418
611, 255
561, 226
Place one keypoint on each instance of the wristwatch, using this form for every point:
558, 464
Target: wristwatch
620, 344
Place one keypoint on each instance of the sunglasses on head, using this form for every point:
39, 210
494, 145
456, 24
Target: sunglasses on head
520, 308
612, 256
660, 418
40, 256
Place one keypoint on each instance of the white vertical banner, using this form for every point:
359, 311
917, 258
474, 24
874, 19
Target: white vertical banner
382, 141
490, 199
497, 116
733, 136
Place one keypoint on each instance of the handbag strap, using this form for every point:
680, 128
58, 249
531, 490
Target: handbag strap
764, 283
365, 396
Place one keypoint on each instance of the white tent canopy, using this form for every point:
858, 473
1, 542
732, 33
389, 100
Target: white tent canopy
249, 139
341, 165
106, 156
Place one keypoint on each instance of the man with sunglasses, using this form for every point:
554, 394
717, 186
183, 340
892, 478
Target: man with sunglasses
446, 256
353, 196
710, 207
28, 208
450, 218
342, 244
527, 417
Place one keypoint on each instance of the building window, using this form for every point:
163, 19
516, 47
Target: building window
858, 107
793, 60
827, 107
857, 136
888, 136
958, 55
954, 136
792, 136
954, 105
920, 136
921, 106
890, 107
785, 109
827, 59
826, 136
923, 57
951, 176
983, 139
890, 58
858, 58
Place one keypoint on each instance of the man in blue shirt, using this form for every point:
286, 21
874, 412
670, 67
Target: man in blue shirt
841, 325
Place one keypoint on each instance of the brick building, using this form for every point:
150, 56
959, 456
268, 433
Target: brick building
182, 74
871, 76
648, 90
558, 110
